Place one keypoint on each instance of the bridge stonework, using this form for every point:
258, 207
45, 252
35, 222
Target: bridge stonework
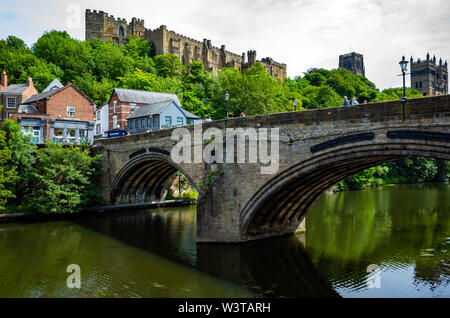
317, 149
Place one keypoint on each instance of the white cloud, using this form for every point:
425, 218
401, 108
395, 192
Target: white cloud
301, 33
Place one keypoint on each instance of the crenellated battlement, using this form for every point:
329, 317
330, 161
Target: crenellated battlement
102, 25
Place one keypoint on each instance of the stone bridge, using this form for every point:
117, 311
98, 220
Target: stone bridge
317, 149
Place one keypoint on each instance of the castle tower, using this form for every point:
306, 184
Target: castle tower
251, 58
353, 62
95, 25
102, 26
429, 77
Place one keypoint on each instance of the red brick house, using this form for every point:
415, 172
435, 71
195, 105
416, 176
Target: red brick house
11, 96
61, 114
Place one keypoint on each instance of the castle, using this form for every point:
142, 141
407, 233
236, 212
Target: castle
103, 26
353, 62
429, 77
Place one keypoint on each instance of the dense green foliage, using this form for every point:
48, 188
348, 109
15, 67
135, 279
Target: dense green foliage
51, 179
97, 67
411, 170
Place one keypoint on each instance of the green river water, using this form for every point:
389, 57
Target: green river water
405, 230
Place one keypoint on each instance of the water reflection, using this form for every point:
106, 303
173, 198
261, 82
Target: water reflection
276, 268
404, 229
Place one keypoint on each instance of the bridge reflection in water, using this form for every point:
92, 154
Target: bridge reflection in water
283, 270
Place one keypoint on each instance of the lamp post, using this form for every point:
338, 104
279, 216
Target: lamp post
404, 66
295, 104
227, 98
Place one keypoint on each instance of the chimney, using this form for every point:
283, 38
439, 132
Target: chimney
4, 81
30, 82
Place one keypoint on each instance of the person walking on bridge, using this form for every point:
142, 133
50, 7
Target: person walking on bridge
354, 102
346, 101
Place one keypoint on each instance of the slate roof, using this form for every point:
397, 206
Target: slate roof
144, 97
28, 109
189, 115
54, 84
15, 89
150, 109
43, 95
52, 92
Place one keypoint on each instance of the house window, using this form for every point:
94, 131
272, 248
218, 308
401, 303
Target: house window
59, 135
70, 111
142, 123
82, 135
11, 102
168, 120
132, 108
98, 129
149, 122
155, 121
114, 122
180, 121
98, 115
70, 135
115, 107
131, 124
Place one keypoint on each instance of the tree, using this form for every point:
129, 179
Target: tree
168, 65
62, 179
7, 175
136, 48
72, 56
20, 161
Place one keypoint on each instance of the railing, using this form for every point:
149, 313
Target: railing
69, 141
167, 126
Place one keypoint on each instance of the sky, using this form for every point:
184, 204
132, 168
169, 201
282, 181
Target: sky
300, 33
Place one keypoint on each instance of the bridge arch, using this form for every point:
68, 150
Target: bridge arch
144, 178
281, 204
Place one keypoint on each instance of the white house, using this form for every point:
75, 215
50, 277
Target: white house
102, 121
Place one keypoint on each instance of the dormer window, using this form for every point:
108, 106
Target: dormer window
132, 108
70, 111
11, 102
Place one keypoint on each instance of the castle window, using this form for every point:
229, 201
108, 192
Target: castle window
121, 31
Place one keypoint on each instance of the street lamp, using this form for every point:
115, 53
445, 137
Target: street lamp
404, 66
227, 98
295, 104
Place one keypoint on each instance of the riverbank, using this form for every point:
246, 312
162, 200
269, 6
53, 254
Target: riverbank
334, 189
92, 211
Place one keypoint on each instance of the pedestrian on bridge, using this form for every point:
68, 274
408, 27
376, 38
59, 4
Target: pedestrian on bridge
354, 102
346, 101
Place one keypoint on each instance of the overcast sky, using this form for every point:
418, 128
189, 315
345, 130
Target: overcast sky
300, 33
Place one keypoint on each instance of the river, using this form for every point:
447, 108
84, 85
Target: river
404, 231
